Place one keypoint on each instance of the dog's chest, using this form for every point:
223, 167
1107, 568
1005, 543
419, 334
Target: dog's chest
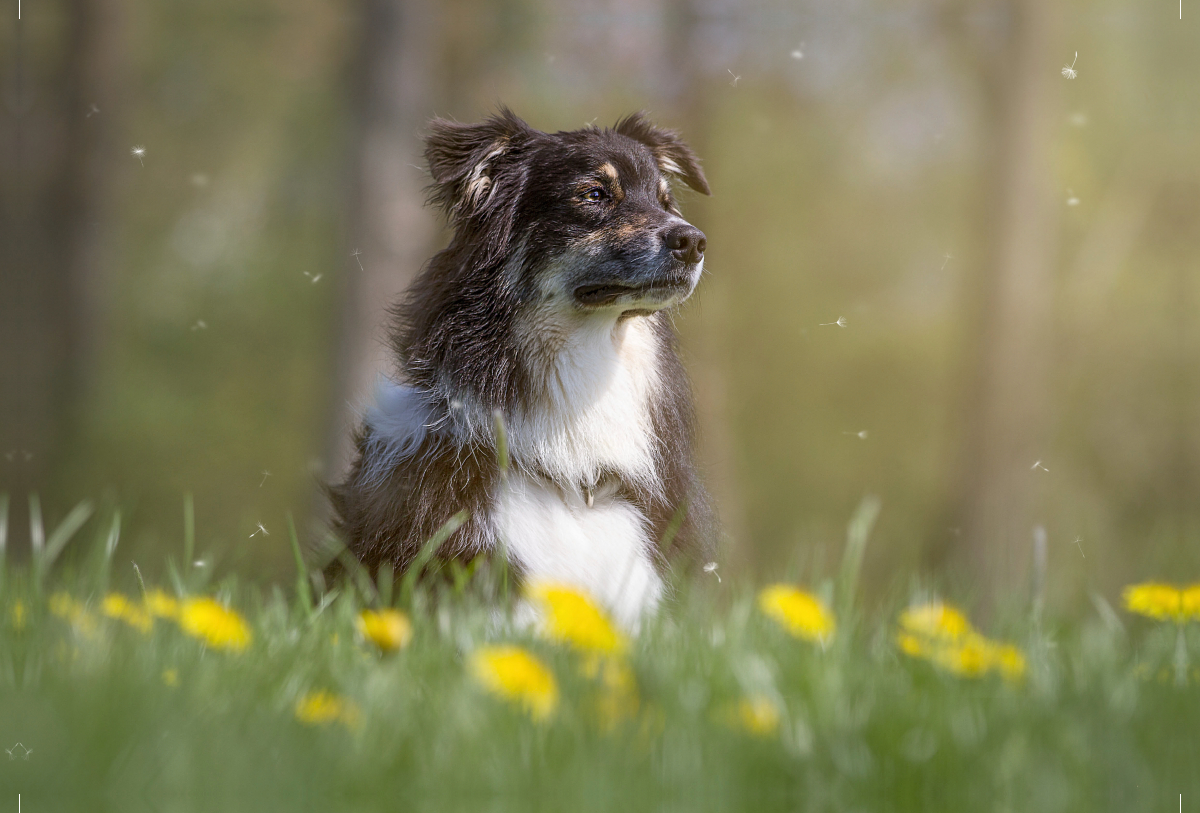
602, 549
594, 415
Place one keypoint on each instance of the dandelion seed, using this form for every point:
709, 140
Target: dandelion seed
711, 567
512, 673
314, 279
1079, 539
219, 627
1038, 465
948, 257
261, 530
265, 474
200, 325
735, 78
199, 180
93, 111
138, 152
1069, 70
388, 629
798, 53
802, 614
841, 322
356, 254
1072, 199
1078, 119
860, 435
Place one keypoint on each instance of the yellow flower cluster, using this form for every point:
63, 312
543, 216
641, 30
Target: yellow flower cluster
1164, 602
317, 708
942, 634
388, 629
801, 614
516, 675
758, 715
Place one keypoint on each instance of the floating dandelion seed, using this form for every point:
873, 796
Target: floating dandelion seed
200, 325
798, 53
841, 322
1069, 70
711, 567
356, 254
948, 257
261, 529
860, 435
1079, 539
735, 78
1078, 119
266, 474
93, 110
139, 152
1072, 199
1038, 465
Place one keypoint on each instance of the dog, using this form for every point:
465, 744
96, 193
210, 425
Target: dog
542, 392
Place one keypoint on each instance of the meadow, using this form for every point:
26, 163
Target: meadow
204, 693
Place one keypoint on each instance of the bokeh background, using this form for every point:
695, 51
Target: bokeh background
1010, 250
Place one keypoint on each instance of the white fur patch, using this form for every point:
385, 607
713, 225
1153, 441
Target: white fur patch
599, 386
602, 550
396, 426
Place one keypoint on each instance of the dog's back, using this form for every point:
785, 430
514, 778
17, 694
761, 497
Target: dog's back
545, 320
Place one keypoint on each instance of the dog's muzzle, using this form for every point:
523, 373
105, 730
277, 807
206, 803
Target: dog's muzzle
668, 280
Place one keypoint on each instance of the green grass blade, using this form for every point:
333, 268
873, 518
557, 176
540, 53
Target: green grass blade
189, 530
37, 530
3, 530
62, 535
427, 552
303, 588
857, 533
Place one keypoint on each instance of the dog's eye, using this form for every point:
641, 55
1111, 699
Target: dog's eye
596, 194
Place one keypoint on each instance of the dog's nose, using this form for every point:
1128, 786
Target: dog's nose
686, 242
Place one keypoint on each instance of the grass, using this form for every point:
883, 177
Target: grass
726, 712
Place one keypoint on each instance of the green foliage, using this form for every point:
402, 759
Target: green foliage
121, 719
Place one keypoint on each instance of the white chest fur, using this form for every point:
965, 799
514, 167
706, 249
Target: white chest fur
602, 550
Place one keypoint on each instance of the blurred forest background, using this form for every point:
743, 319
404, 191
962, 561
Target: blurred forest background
1011, 251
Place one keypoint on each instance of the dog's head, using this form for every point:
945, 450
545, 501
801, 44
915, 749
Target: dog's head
582, 220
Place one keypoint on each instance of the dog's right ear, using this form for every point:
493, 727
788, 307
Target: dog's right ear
466, 161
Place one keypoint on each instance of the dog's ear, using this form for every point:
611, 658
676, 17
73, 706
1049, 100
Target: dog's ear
465, 161
673, 156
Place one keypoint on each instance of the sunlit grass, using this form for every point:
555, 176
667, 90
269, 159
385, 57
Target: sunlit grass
426, 697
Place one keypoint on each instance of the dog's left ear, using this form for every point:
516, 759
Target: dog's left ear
673, 156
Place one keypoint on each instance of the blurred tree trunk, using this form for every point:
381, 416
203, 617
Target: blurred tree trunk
55, 144
389, 232
1009, 413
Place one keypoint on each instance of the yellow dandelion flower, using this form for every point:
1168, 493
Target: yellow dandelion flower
1190, 602
1158, 601
935, 620
387, 629
801, 614
572, 618
17, 615
219, 627
512, 673
118, 606
316, 708
970, 657
160, 605
757, 715
1009, 661
170, 677
914, 646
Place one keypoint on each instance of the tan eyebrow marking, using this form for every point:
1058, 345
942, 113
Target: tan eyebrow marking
610, 172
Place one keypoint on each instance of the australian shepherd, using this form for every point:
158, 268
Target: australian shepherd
541, 391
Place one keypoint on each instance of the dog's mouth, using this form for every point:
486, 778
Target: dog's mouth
599, 295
